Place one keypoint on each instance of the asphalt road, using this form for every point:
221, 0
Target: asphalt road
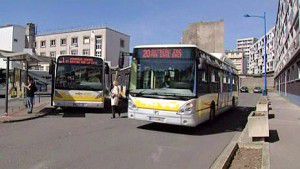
78, 140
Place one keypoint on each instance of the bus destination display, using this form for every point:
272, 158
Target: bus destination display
78, 60
162, 53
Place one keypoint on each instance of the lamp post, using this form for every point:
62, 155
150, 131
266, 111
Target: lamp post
265, 93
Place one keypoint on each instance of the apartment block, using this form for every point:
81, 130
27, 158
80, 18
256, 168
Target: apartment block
287, 50
105, 43
243, 45
257, 52
238, 59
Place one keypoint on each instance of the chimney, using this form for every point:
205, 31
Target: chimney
30, 36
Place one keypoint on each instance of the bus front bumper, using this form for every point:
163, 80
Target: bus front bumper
166, 117
78, 104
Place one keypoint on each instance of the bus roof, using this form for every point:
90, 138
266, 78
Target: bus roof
167, 46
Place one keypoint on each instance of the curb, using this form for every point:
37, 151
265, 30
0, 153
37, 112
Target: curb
224, 159
29, 117
240, 140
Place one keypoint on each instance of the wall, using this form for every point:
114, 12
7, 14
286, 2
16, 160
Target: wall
208, 36
113, 47
6, 37
252, 81
18, 43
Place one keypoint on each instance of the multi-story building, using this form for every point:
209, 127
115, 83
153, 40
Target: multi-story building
257, 52
238, 59
208, 36
244, 45
16, 38
100, 42
287, 50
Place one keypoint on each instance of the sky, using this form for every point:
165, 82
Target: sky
146, 21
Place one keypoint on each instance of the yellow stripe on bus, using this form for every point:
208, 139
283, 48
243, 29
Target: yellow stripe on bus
158, 104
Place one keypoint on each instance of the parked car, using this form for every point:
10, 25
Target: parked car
257, 90
244, 89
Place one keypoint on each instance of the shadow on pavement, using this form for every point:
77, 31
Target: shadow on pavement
273, 136
81, 112
230, 121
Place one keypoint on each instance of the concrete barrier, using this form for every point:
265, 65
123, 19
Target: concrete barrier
262, 107
258, 124
263, 104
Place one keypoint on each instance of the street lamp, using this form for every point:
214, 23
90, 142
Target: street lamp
265, 93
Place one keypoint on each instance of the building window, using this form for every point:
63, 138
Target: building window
98, 44
86, 40
203, 77
43, 44
122, 43
213, 77
63, 42
74, 52
74, 41
52, 43
52, 54
86, 52
63, 52
42, 54
98, 53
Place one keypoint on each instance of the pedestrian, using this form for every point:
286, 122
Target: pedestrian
30, 90
115, 96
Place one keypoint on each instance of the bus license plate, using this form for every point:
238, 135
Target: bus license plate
80, 105
157, 119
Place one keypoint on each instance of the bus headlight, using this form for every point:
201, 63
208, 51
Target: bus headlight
187, 108
131, 105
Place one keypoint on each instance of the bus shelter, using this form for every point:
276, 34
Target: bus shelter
26, 60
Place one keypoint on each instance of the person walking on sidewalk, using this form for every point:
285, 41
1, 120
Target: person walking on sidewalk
115, 96
30, 90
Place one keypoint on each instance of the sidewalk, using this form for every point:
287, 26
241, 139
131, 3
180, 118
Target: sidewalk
284, 133
40, 109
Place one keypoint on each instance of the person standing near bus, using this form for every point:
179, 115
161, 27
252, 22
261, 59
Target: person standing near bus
115, 94
30, 90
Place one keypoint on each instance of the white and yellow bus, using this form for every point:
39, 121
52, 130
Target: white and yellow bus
79, 82
180, 85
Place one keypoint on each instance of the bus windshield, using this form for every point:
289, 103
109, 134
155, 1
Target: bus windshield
79, 77
164, 77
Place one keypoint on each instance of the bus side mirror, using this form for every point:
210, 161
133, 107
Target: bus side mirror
106, 68
51, 68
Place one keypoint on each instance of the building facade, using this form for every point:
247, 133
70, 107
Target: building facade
208, 36
238, 59
287, 51
243, 45
16, 38
257, 52
100, 42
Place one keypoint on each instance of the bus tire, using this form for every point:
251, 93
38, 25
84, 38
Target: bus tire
212, 113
